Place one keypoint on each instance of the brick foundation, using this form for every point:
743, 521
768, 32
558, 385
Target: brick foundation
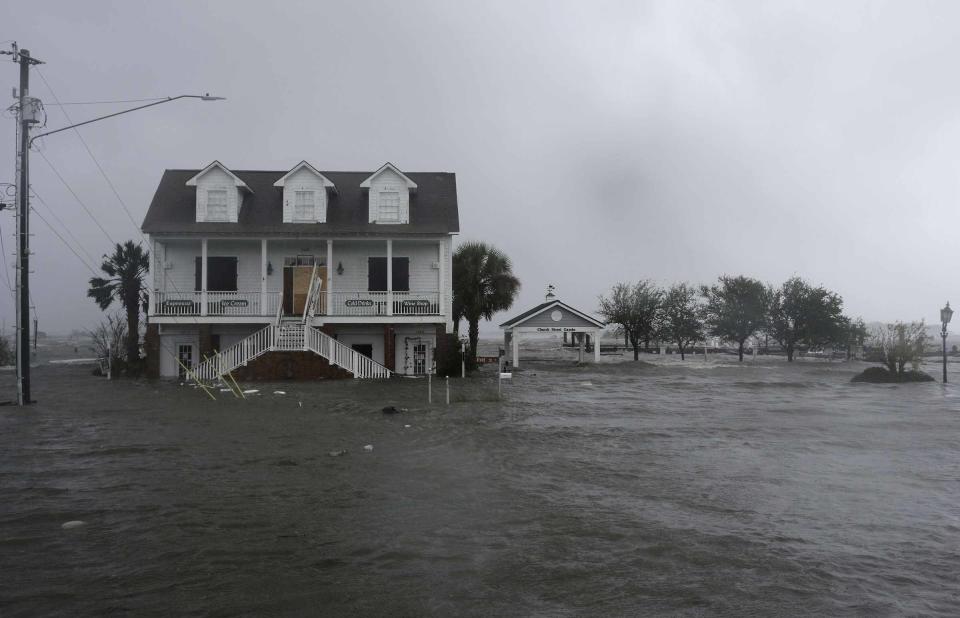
289, 366
151, 346
389, 347
206, 341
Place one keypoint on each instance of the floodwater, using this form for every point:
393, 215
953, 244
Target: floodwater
620, 489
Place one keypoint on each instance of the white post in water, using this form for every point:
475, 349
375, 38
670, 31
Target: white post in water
446, 381
463, 359
429, 388
499, 379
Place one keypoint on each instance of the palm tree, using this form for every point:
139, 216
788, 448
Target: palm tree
125, 269
483, 284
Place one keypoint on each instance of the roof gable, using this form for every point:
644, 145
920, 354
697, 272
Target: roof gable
326, 181
550, 306
192, 182
388, 166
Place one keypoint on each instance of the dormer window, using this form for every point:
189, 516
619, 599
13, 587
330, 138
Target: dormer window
389, 207
304, 207
217, 207
306, 193
388, 195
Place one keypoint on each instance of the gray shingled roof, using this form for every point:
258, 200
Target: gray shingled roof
526, 314
433, 207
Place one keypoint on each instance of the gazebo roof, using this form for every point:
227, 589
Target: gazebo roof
551, 305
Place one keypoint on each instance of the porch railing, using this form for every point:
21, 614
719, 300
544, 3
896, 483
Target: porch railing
323, 303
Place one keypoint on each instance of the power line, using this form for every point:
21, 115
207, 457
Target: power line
65, 243
63, 225
76, 197
90, 152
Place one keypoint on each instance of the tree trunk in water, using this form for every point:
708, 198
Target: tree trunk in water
474, 334
740, 351
680, 345
636, 352
789, 353
646, 345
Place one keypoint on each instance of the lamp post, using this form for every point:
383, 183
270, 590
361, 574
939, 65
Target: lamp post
945, 314
28, 107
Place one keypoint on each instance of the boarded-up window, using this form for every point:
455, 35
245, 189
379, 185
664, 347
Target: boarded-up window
377, 274
221, 274
389, 206
217, 205
303, 206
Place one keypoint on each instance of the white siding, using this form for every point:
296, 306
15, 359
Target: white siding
388, 180
216, 178
304, 180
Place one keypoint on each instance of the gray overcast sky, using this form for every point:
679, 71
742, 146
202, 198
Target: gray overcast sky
593, 141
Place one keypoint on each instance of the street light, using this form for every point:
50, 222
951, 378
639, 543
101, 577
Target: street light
23, 57
202, 97
945, 314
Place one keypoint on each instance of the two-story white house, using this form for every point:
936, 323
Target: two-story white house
299, 273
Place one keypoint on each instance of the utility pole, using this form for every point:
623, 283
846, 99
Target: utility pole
27, 116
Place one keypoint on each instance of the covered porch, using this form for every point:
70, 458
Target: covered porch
268, 278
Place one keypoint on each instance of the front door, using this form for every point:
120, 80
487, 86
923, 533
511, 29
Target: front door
185, 359
296, 286
416, 356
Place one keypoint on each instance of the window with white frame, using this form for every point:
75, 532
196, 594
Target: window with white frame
389, 206
303, 206
217, 205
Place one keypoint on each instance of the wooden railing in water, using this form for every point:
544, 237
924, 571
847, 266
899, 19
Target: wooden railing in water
338, 354
292, 337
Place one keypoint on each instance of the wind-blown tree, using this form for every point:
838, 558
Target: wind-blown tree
634, 309
125, 270
854, 334
801, 314
901, 344
483, 284
736, 308
680, 316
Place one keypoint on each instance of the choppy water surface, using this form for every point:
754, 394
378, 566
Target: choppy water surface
617, 490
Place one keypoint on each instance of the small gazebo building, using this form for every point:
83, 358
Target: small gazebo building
552, 317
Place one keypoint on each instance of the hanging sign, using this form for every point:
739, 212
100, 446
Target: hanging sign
358, 302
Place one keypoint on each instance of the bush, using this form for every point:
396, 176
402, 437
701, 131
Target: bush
881, 375
6, 352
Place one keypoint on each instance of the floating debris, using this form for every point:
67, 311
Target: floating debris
393, 410
339, 453
586, 383
76, 523
251, 391
279, 392
407, 426
301, 403
368, 447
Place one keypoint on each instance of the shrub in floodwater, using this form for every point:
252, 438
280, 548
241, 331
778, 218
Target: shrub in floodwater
881, 375
6, 352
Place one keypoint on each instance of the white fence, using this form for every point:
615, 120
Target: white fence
330, 303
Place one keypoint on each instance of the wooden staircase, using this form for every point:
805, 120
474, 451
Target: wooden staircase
289, 336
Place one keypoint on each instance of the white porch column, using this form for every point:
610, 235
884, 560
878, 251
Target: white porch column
203, 277
329, 309
263, 277
596, 346
389, 276
516, 348
440, 287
